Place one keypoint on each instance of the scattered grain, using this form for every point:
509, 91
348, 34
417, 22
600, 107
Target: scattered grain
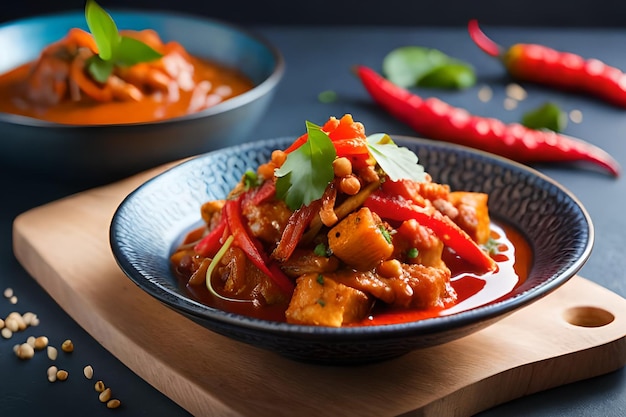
62, 374
41, 343
13, 300
11, 324
105, 395
485, 93
114, 403
88, 371
99, 386
15, 348
25, 351
52, 373
510, 104
8, 292
31, 341
18, 319
576, 116
516, 92
6, 332
34, 321
28, 317
52, 353
67, 346
1, 324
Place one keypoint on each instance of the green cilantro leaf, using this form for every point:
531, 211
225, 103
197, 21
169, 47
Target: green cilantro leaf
397, 162
113, 49
307, 171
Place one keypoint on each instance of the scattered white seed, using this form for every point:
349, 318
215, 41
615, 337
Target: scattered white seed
105, 395
509, 103
41, 343
114, 403
31, 341
62, 374
13, 300
6, 333
8, 293
15, 348
516, 92
99, 386
34, 321
18, 319
52, 353
11, 324
28, 317
67, 346
88, 371
52, 373
485, 93
25, 351
576, 116
1, 324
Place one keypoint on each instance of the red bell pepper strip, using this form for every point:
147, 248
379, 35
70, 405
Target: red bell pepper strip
261, 194
296, 225
251, 247
438, 120
209, 245
564, 70
449, 232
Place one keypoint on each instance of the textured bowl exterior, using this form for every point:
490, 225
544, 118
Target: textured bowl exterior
152, 220
114, 151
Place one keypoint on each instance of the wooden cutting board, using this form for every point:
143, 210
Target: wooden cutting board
577, 332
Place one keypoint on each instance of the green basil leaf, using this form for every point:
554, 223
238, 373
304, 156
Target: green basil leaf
99, 68
411, 66
103, 29
132, 51
547, 116
307, 171
452, 76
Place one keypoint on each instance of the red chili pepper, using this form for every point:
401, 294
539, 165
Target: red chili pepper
251, 247
438, 120
563, 70
449, 232
297, 223
261, 194
212, 242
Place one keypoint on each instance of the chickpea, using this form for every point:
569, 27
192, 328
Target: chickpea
349, 185
342, 167
390, 268
278, 158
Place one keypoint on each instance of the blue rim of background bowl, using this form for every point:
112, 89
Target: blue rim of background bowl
415, 328
259, 90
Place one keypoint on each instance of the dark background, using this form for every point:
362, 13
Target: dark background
560, 13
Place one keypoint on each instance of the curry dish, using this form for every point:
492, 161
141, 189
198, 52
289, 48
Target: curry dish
368, 245
57, 87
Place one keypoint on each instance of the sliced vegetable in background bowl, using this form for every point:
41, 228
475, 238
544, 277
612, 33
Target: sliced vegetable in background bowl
410, 66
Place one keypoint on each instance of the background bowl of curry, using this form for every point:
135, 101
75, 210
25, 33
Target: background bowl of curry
152, 221
98, 152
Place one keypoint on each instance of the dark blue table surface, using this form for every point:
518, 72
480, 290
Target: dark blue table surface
319, 59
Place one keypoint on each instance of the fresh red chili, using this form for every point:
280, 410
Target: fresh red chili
212, 242
297, 223
450, 233
436, 119
564, 70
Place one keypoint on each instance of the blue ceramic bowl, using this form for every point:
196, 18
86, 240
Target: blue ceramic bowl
114, 151
150, 223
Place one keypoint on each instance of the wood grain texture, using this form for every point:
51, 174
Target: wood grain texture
64, 245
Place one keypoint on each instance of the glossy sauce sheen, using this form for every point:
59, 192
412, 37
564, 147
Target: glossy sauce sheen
151, 108
514, 259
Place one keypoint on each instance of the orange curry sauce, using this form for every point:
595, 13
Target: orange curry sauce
513, 256
206, 83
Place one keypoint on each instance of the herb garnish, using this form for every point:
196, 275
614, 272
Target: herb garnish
113, 48
308, 170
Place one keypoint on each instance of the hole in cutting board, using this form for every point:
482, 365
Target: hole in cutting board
588, 316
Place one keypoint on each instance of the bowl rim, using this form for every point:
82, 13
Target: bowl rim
424, 327
259, 90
